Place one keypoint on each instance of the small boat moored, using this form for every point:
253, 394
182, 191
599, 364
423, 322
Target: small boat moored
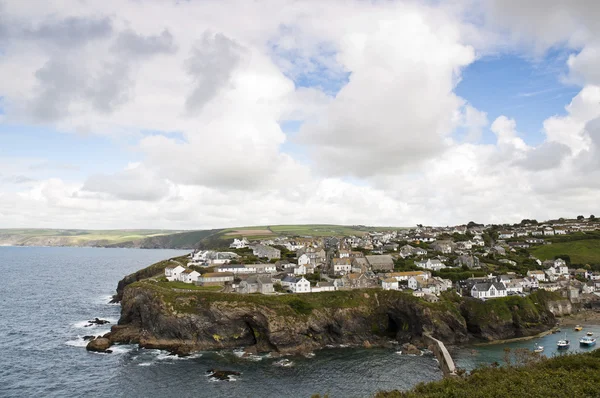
563, 344
578, 328
590, 333
538, 349
587, 341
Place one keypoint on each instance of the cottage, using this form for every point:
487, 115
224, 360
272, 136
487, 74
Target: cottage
488, 290
342, 265
430, 264
172, 273
266, 251
323, 287
505, 234
256, 284
359, 265
239, 243
540, 276
235, 269
214, 278
443, 246
471, 262
189, 276
404, 276
265, 268
389, 284
300, 286
383, 262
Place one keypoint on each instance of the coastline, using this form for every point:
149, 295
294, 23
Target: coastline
524, 338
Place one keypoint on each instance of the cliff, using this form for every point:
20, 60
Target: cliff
184, 320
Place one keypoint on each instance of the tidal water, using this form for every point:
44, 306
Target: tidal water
48, 294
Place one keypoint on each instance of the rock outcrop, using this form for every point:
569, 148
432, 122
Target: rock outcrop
100, 344
183, 322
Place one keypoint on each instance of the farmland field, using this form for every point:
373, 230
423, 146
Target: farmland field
581, 251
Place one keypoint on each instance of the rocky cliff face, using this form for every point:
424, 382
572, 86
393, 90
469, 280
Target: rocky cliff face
184, 321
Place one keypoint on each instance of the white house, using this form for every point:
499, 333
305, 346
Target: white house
265, 268
189, 276
506, 234
487, 290
431, 264
389, 284
530, 283
300, 269
560, 267
172, 274
239, 243
304, 259
548, 231
539, 275
236, 268
301, 286
342, 265
404, 276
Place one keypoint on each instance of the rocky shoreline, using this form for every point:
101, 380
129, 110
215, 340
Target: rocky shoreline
187, 322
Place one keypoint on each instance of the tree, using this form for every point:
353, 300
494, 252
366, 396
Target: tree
580, 217
592, 217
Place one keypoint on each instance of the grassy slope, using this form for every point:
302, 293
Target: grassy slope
78, 237
581, 251
560, 377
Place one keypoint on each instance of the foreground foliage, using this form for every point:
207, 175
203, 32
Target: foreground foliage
565, 376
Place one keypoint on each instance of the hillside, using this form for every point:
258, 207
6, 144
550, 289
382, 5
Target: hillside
559, 377
581, 248
75, 237
166, 239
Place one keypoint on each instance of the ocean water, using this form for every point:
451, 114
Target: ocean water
48, 294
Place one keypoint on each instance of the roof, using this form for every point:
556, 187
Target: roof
390, 280
407, 273
342, 261
485, 286
381, 261
216, 274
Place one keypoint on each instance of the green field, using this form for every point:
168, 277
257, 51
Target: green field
581, 251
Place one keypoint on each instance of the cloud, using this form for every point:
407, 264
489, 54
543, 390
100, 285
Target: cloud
130, 42
68, 32
136, 184
211, 66
548, 155
398, 106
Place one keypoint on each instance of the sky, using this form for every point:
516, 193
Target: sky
194, 114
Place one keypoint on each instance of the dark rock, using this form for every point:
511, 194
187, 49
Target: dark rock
222, 374
99, 344
108, 351
91, 337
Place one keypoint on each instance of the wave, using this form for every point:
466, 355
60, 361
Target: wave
284, 363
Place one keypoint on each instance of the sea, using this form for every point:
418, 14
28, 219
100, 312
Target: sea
48, 294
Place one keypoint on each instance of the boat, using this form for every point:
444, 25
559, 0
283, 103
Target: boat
538, 349
590, 333
563, 344
587, 341
578, 328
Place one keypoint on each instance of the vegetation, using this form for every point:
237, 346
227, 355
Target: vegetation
564, 376
581, 252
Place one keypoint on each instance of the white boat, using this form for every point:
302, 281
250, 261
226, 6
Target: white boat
587, 341
563, 344
538, 349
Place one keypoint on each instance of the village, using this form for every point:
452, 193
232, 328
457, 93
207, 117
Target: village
480, 261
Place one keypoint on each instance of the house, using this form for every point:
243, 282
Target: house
214, 278
189, 276
344, 253
360, 265
218, 258
514, 286
323, 287
427, 238
505, 234
304, 259
416, 282
256, 284
404, 276
548, 231
406, 251
303, 269
430, 264
499, 250
478, 241
383, 262
389, 284
530, 283
390, 247
234, 268
443, 246
288, 281
487, 290
265, 268
540, 276
266, 251
357, 281
342, 265
560, 266
239, 243
300, 286
560, 231
470, 262
172, 273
